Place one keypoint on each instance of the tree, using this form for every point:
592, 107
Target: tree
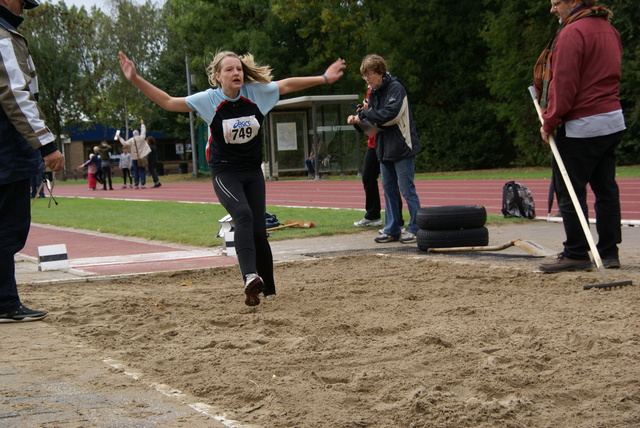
441, 65
516, 32
466, 65
140, 32
626, 17
55, 35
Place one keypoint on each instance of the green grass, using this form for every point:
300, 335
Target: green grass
187, 224
197, 224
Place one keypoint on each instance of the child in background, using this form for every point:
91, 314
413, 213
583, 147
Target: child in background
125, 165
93, 166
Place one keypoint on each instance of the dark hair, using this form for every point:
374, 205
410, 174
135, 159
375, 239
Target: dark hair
151, 140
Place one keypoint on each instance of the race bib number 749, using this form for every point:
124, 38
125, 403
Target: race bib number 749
240, 130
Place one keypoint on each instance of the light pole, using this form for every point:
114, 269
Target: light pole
194, 148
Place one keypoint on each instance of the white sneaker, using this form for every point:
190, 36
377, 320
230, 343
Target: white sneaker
402, 230
253, 286
365, 222
408, 238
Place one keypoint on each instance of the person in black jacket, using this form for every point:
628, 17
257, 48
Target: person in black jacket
25, 142
397, 144
152, 158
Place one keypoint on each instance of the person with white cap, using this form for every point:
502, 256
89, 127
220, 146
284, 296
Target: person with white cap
25, 142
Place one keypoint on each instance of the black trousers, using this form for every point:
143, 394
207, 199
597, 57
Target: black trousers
589, 161
126, 173
243, 194
15, 220
370, 174
153, 172
106, 176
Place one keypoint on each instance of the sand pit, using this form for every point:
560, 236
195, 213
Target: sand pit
375, 341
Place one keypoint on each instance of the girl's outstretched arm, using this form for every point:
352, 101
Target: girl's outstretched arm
293, 84
155, 94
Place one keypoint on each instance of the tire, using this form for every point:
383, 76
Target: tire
451, 217
476, 237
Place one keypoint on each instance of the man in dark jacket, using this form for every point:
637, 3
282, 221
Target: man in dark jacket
578, 79
25, 141
397, 144
152, 158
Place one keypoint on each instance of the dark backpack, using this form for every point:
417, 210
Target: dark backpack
517, 201
271, 220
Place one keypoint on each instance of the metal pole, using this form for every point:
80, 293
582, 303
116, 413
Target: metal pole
314, 120
194, 148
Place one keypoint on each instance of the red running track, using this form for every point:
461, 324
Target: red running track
349, 194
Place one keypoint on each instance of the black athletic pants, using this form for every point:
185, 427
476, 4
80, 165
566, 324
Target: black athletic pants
243, 195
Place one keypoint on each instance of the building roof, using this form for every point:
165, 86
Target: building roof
308, 101
99, 132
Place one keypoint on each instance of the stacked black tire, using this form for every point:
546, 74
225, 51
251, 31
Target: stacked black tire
452, 226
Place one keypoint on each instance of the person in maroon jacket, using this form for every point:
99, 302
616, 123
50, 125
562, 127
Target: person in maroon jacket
578, 80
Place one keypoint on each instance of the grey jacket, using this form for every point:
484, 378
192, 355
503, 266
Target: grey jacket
24, 136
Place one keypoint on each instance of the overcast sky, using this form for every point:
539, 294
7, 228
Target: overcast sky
103, 4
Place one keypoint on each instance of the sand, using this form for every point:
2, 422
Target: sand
375, 341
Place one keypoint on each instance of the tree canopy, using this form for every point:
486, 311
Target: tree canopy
466, 65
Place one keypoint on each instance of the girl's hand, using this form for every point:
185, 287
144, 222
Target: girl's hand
334, 72
128, 67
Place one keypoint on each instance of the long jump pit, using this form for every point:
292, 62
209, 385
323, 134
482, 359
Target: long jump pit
372, 338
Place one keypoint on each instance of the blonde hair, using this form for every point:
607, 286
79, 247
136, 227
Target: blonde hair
252, 71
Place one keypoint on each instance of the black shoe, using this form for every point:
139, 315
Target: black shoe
157, 185
22, 314
564, 263
611, 263
384, 238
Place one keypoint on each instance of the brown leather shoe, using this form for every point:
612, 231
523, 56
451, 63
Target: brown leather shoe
564, 264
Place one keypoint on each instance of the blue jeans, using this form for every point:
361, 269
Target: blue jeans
139, 174
394, 175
